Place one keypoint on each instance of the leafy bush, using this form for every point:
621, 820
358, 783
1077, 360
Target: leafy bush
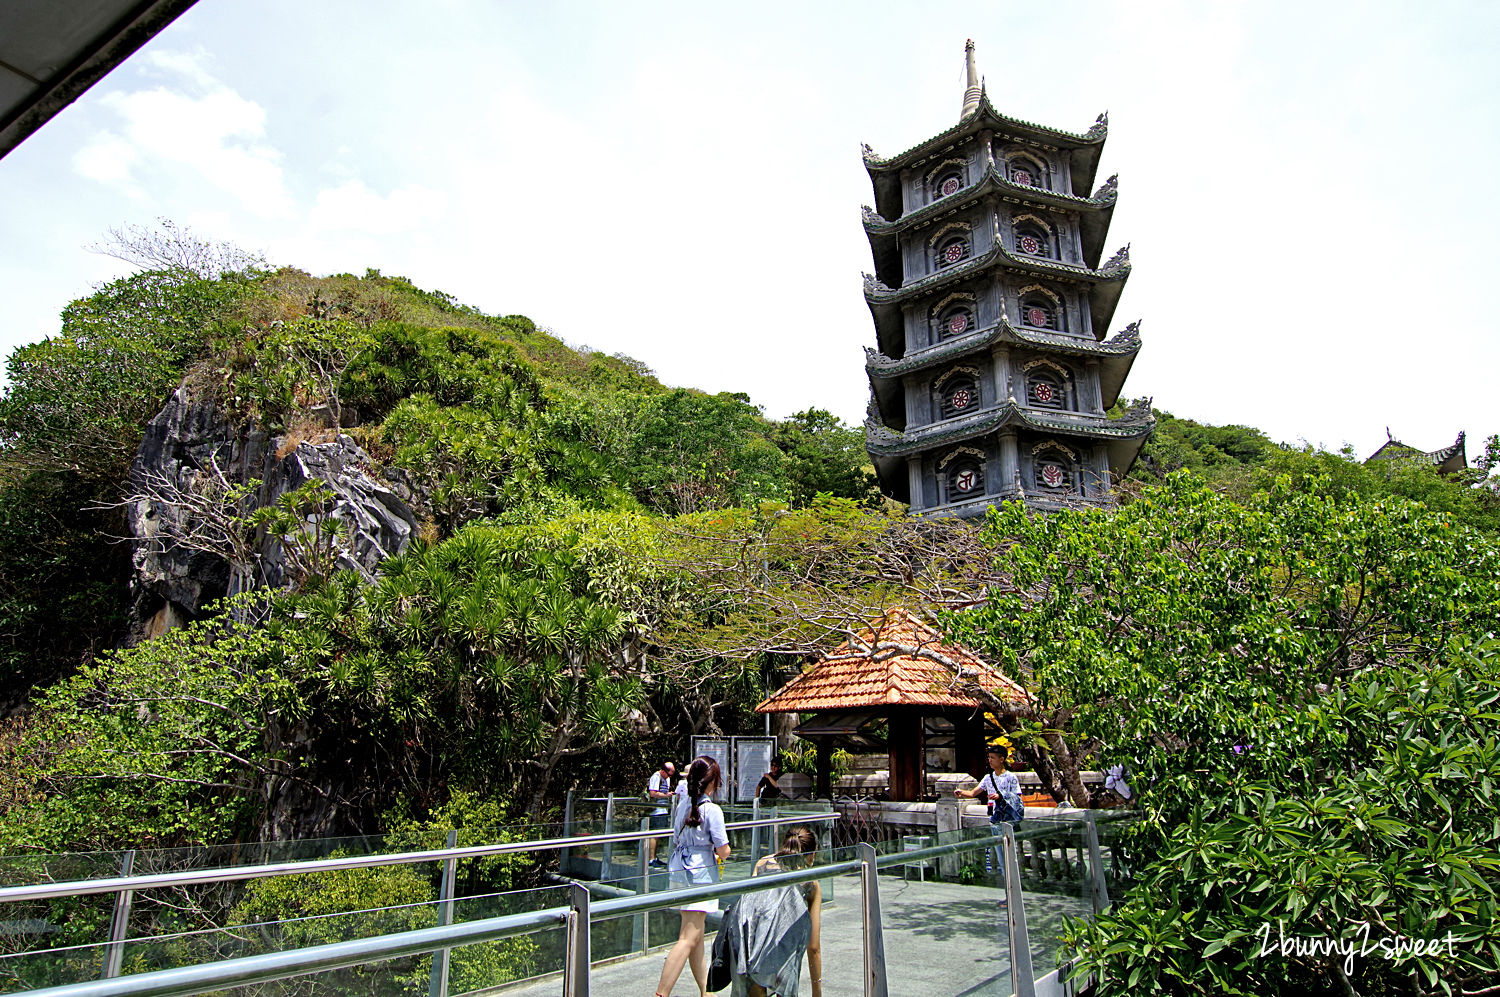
1282, 679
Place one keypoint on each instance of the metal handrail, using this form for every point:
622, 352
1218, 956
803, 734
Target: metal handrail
200, 877
246, 970
191, 980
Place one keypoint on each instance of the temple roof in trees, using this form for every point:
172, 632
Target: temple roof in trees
1094, 212
1449, 459
896, 661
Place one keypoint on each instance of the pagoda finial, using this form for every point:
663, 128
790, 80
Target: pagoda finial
973, 89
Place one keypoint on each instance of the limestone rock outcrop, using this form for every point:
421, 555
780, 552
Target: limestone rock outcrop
191, 454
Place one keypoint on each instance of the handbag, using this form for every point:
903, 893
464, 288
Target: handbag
720, 973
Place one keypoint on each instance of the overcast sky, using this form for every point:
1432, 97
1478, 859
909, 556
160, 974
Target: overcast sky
1305, 185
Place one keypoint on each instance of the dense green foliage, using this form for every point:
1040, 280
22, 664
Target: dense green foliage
1291, 652
1302, 687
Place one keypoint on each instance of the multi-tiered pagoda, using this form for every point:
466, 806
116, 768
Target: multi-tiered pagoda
993, 373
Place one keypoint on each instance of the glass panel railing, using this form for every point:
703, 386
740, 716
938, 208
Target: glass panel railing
943, 918
1053, 855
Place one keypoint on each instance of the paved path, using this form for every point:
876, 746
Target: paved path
941, 940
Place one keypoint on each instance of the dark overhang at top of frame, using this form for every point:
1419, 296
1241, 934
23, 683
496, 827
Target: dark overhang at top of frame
52, 51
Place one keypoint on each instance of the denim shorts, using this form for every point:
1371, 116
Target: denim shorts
681, 879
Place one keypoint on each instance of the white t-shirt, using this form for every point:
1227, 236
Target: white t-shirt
693, 847
1003, 785
659, 783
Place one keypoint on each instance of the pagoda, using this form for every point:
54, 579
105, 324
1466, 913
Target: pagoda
993, 372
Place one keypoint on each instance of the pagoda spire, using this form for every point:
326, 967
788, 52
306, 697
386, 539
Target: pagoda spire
973, 89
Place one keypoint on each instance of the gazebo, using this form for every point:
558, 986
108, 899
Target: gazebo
899, 687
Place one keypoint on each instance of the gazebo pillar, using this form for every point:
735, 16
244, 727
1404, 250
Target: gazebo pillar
824, 788
968, 744
906, 750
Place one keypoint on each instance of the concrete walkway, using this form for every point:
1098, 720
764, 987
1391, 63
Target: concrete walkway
941, 940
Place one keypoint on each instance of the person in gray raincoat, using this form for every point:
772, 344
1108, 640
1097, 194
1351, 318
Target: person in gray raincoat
768, 931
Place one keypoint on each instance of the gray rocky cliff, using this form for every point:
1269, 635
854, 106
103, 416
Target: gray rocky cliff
176, 514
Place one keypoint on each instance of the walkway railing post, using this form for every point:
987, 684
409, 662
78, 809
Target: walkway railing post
641, 929
443, 957
1098, 886
576, 956
1023, 982
875, 980
607, 858
119, 924
565, 857
755, 831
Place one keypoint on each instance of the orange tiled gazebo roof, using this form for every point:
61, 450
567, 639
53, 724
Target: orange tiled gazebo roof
877, 669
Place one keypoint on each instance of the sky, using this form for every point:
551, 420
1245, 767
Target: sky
1304, 185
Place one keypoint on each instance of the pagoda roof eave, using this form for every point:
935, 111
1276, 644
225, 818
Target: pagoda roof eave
1453, 457
985, 116
883, 441
992, 181
1115, 271
1123, 346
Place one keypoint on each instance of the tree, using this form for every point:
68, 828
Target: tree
176, 741
1231, 656
824, 455
694, 452
175, 250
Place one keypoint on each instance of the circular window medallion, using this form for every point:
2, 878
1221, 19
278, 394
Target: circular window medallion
957, 324
1043, 391
966, 480
1052, 475
950, 186
1030, 245
1022, 177
961, 398
1036, 316
954, 253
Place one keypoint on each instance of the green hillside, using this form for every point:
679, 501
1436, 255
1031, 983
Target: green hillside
601, 565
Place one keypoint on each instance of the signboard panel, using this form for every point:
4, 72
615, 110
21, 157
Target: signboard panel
752, 759
717, 748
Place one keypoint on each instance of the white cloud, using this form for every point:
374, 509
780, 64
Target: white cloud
215, 136
354, 207
191, 67
108, 159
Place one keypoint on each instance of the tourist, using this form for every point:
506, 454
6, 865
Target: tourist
773, 964
699, 844
659, 789
1000, 791
768, 789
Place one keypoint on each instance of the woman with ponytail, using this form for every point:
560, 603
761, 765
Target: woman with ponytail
699, 844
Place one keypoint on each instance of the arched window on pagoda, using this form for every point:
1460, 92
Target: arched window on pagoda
1055, 471
1047, 387
953, 249
965, 479
1041, 311
958, 395
953, 321
946, 183
1034, 240
1027, 172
